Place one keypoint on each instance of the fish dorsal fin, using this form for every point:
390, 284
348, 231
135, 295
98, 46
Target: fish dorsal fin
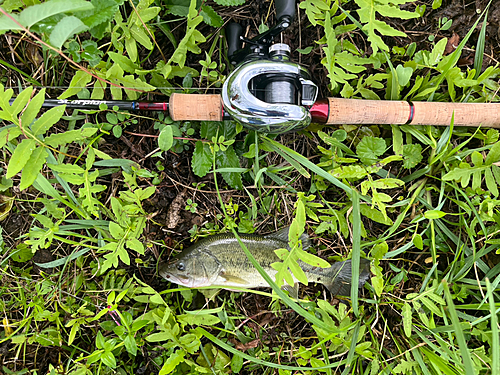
293, 291
282, 235
233, 279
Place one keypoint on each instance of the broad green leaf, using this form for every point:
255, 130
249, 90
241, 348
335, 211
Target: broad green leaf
9, 134
166, 138
73, 332
104, 10
211, 17
20, 157
48, 119
430, 305
172, 361
116, 230
66, 168
33, 167
305, 51
407, 318
404, 367
56, 140
191, 39
130, 344
108, 359
78, 82
7, 24
5, 97
236, 363
477, 159
22, 253
117, 131
72, 178
140, 35
65, 29
202, 159
404, 74
146, 14
434, 214
312, 259
387, 183
437, 52
298, 273
378, 284
495, 169
418, 242
379, 250
32, 109
135, 244
157, 299
476, 179
131, 48
200, 319
493, 154
436, 298
461, 173
412, 155
20, 101
124, 62
36, 13
374, 214
491, 184
370, 148
229, 159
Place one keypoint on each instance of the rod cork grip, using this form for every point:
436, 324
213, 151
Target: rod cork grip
195, 107
360, 111
465, 114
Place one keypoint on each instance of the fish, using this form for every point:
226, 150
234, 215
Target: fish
220, 262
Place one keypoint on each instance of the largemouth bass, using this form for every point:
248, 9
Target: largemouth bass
219, 261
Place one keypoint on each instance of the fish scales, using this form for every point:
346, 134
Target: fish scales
220, 261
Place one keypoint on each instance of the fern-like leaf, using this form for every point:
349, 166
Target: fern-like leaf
386, 8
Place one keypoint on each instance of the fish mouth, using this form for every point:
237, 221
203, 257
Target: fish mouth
183, 280
179, 280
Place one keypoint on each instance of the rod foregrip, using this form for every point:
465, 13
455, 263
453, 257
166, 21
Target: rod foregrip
357, 111
195, 107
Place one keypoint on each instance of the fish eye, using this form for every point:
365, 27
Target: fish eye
181, 266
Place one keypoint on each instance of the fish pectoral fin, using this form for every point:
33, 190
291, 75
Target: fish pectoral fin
293, 291
233, 279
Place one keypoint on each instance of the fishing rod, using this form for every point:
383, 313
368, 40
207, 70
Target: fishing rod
268, 93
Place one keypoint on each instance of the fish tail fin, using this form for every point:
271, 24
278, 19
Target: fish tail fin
341, 275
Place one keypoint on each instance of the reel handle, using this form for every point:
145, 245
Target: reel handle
285, 8
233, 33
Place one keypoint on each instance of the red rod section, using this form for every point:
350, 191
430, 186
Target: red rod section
320, 111
146, 106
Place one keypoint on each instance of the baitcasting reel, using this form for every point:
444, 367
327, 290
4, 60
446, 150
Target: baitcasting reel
267, 92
